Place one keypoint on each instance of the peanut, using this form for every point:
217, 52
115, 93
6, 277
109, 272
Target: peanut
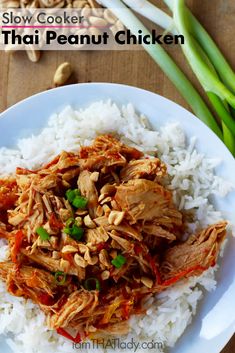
104, 258
94, 176
79, 221
68, 249
79, 261
97, 21
79, 3
86, 11
105, 200
116, 217
147, 282
62, 74
56, 255
105, 275
88, 222
109, 17
33, 55
11, 4
64, 265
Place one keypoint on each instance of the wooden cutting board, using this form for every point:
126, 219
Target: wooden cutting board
19, 78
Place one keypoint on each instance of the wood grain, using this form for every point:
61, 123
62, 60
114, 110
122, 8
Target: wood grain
20, 78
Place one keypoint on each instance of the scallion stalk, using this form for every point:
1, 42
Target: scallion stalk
208, 80
159, 17
220, 107
222, 110
150, 11
153, 13
216, 57
166, 63
228, 139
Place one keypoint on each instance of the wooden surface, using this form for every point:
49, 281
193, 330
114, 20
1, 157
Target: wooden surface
20, 78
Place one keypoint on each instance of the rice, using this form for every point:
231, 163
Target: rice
192, 181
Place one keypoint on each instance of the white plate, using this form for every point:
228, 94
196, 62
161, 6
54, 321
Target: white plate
214, 323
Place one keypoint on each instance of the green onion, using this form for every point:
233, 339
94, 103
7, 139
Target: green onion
71, 194
204, 39
67, 230
220, 106
119, 261
70, 222
75, 198
44, 235
80, 202
75, 232
223, 112
167, 65
229, 139
150, 11
208, 80
92, 284
205, 56
60, 278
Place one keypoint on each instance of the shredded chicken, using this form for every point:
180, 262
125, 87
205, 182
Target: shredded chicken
79, 303
90, 264
146, 200
88, 189
143, 168
152, 229
198, 253
24, 280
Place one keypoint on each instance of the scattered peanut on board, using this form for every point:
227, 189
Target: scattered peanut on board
62, 74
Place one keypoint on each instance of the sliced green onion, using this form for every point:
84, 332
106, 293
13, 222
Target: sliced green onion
70, 222
92, 284
80, 202
67, 230
60, 278
75, 232
44, 235
71, 194
119, 261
